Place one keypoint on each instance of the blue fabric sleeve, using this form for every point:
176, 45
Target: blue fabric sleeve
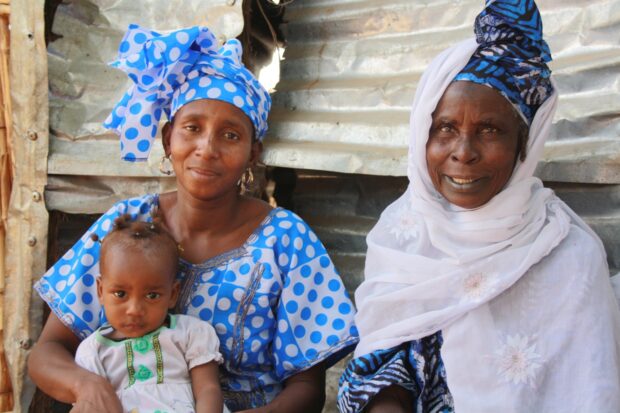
416, 366
69, 287
314, 313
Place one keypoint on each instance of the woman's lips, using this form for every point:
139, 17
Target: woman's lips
203, 172
462, 183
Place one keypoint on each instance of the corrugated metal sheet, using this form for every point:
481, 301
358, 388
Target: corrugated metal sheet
351, 69
347, 83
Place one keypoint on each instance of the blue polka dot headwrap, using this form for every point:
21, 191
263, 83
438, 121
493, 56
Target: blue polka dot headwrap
171, 69
512, 55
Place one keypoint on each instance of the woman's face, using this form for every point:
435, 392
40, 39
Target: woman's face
472, 144
211, 145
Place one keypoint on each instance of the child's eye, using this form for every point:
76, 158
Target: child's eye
153, 296
119, 294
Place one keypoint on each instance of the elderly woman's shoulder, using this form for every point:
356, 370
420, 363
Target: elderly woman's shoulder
580, 252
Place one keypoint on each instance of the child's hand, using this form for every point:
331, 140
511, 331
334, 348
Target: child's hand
96, 395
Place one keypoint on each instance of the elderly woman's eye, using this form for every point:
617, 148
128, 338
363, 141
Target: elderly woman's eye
489, 129
445, 127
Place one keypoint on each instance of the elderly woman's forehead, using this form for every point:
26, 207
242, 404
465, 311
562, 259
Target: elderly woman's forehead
468, 94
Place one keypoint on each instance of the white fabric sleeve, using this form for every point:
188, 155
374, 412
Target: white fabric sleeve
87, 356
202, 344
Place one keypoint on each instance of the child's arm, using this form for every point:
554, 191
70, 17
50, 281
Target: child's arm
206, 388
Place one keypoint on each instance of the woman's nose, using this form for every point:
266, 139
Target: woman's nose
208, 146
465, 149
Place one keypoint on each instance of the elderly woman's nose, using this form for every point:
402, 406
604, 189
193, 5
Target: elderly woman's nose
465, 150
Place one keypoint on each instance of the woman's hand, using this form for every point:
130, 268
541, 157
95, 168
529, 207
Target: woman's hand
303, 393
393, 399
95, 394
52, 367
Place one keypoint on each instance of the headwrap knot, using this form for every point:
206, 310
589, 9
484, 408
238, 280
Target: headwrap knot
171, 69
512, 55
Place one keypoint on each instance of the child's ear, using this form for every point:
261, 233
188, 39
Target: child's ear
174, 296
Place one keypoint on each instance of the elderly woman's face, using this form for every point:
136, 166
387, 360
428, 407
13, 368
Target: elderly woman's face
472, 144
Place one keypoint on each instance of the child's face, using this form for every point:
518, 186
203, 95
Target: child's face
135, 292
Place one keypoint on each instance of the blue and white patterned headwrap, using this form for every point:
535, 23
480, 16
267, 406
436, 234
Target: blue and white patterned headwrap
512, 55
174, 68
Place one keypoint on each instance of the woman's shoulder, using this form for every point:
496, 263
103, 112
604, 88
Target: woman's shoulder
581, 245
283, 225
576, 261
137, 205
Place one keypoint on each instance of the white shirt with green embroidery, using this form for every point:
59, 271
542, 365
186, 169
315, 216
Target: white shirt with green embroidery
151, 373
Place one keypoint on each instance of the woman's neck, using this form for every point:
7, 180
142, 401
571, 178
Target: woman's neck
205, 229
187, 216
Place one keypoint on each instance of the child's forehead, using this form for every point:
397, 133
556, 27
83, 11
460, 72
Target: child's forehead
135, 264
135, 278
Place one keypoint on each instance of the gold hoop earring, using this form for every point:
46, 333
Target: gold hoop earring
166, 167
246, 180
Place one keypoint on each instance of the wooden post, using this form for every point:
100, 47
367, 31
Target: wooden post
6, 181
27, 216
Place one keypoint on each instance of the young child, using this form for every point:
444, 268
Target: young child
156, 361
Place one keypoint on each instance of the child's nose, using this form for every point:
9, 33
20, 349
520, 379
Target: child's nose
135, 307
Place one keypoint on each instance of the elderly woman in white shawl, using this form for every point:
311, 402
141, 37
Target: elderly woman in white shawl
483, 291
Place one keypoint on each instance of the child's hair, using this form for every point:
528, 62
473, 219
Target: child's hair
148, 238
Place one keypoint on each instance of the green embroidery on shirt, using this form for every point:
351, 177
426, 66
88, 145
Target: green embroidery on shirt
143, 373
159, 358
130, 370
142, 345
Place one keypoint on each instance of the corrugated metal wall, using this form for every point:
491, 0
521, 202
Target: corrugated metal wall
351, 69
348, 78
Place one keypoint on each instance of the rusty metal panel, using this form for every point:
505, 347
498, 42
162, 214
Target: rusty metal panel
351, 67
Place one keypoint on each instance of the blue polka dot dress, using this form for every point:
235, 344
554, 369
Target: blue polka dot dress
277, 302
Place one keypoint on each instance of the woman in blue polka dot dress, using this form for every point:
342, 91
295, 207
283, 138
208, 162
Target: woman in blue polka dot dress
259, 275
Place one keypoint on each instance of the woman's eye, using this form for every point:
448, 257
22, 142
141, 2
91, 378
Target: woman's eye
119, 294
445, 128
153, 296
231, 136
191, 128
